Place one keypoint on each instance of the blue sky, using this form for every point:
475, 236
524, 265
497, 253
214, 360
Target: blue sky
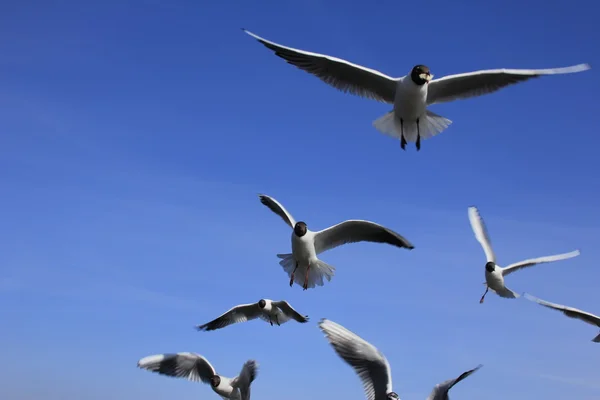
135, 137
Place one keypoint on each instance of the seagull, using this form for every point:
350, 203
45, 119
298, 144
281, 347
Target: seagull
569, 312
371, 365
195, 367
270, 311
409, 120
306, 244
494, 274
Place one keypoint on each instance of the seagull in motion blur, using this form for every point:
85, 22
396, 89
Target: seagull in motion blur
409, 120
278, 312
196, 368
306, 244
494, 274
570, 312
371, 365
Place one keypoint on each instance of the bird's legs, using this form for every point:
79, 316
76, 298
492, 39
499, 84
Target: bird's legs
271, 322
292, 278
482, 297
418, 136
277, 319
305, 286
402, 140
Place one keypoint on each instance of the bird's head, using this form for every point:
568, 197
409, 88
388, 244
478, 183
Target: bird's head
420, 74
300, 229
392, 396
262, 303
215, 380
490, 266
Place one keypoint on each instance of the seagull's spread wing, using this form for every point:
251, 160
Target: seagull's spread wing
336, 72
289, 311
481, 233
568, 311
278, 209
190, 366
533, 261
371, 366
241, 313
440, 391
245, 378
352, 231
477, 83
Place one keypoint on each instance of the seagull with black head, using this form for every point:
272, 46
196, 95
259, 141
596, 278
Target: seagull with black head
307, 244
410, 119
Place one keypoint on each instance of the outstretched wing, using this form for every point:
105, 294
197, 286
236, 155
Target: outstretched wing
289, 311
191, 366
570, 312
481, 234
352, 231
244, 380
278, 209
540, 260
440, 391
371, 366
241, 313
340, 74
477, 83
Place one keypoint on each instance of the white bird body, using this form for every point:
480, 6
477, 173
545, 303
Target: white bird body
495, 280
409, 120
410, 101
303, 248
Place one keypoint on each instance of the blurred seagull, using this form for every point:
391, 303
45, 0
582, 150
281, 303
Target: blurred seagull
270, 311
371, 365
409, 120
306, 244
494, 274
569, 312
196, 368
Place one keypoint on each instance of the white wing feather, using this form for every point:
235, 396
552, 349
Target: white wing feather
477, 83
540, 260
481, 234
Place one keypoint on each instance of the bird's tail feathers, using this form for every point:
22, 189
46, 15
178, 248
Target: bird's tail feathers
430, 125
596, 339
318, 270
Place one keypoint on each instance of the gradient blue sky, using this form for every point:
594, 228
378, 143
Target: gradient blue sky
135, 137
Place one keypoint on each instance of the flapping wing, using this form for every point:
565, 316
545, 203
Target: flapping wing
289, 311
533, 261
278, 209
440, 391
245, 378
241, 313
191, 366
570, 312
340, 74
352, 231
481, 234
371, 366
477, 83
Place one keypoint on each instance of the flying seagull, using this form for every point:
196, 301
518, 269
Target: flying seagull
306, 244
569, 312
494, 274
278, 312
196, 368
371, 365
409, 120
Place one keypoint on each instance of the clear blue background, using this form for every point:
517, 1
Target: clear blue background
135, 137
